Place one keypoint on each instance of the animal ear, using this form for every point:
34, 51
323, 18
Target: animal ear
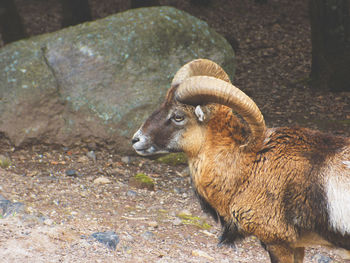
199, 113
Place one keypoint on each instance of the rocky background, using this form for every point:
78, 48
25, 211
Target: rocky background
96, 82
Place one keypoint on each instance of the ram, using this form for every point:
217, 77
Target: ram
289, 187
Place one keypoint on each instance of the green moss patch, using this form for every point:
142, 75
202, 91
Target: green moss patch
4, 162
173, 159
194, 220
142, 181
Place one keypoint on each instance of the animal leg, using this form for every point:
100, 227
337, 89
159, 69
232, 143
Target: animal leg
281, 254
299, 253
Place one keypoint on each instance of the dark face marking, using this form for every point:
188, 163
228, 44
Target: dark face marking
162, 131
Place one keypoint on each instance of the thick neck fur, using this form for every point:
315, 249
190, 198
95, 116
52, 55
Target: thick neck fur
213, 167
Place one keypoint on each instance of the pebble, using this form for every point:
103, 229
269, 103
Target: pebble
128, 238
83, 159
8, 208
126, 159
48, 222
71, 173
4, 161
177, 221
131, 193
153, 224
108, 238
321, 259
178, 190
102, 180
185, 172
148, 235
200, 253
91, 155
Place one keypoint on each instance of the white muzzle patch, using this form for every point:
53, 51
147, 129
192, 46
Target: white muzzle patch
141, 144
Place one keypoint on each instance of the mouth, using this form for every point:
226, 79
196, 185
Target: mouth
149, 151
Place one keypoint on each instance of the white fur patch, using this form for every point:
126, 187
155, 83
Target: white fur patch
347, 163
199, 113
338, 195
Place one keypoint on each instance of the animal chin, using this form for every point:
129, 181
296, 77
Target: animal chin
150, 151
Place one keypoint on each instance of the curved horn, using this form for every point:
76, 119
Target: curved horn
199, 67
204, 89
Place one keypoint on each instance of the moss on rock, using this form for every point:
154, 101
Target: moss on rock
194, 220
4, 162
142, 181
173, 159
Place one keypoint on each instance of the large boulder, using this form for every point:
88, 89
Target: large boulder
98, 81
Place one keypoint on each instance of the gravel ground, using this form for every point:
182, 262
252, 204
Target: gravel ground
69, 194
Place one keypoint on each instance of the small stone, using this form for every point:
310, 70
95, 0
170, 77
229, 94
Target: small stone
321, 259
83, 159
91, 155
177, 221
126, 159
178, 190
128, 237
185, 172
5, 162
102, 180
131, 193
108, 238
71, 173
200, 253
148, 235
153, 224
8, 208
48, 222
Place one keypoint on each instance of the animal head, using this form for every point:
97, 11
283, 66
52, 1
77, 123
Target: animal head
200, 94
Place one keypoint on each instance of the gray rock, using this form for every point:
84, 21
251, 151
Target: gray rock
91, 155
321, 259
148, 235
96, 82
109, 238
71, 173
131, 193
126, 159
177, 221
8, 208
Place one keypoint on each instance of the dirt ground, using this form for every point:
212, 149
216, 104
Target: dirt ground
71, 193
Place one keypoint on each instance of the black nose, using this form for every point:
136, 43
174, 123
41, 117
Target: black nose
135, 140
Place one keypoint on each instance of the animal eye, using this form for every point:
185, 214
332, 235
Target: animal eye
178, 118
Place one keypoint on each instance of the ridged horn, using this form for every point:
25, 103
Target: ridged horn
199, 67
199, 90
